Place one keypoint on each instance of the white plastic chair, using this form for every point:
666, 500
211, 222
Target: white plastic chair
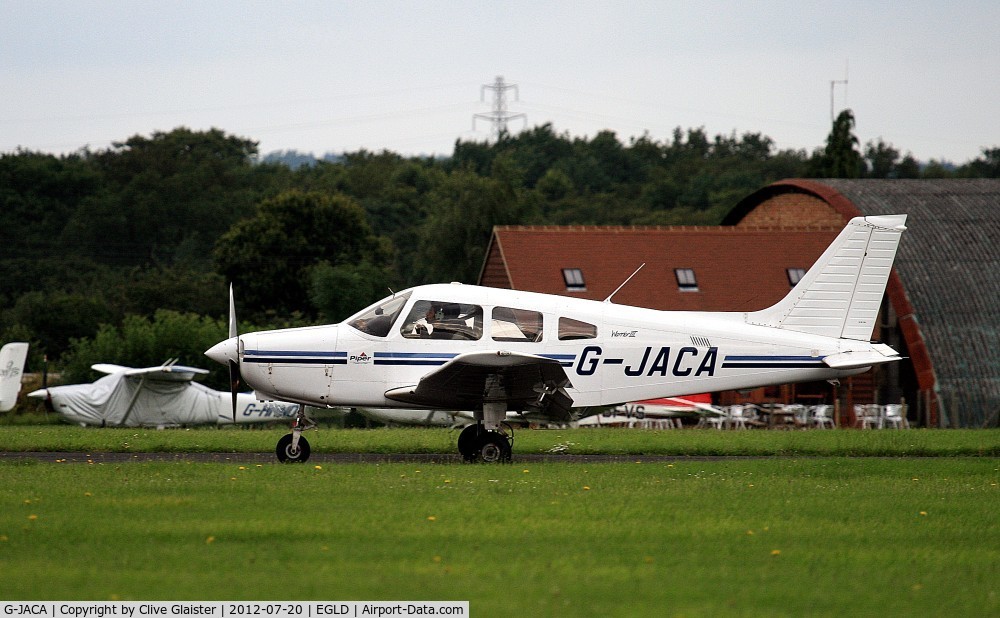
798, 415
714, 422
821, 417
868, 415
737, 418
894, 416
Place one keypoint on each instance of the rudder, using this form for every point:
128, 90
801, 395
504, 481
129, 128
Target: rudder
841, 294
12, 357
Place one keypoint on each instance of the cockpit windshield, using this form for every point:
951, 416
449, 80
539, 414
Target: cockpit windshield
377, 320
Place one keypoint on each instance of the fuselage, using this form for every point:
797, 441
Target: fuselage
611, 353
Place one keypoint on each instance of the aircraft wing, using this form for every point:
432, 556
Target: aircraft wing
525, 381
164, 373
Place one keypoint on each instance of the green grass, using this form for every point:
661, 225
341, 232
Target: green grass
916, 442
827, 536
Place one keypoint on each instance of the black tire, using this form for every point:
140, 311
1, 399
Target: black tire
287, 455
468, 441
494, 448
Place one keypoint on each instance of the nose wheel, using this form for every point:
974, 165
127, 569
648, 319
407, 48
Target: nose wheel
288, 451
292, 447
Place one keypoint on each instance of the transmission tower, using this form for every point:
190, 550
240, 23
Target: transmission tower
499, 116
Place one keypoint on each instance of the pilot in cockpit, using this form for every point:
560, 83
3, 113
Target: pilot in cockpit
424, 326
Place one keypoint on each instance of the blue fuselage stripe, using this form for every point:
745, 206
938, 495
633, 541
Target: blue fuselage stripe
772, 362
295, 361
408, 362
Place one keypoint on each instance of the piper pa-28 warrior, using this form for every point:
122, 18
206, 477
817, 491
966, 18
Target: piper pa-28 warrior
463, 347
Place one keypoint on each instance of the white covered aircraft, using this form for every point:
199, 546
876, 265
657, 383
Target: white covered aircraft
453, 346
12, 357
164, 396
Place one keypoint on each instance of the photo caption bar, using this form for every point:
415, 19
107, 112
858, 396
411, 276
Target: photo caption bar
233, 609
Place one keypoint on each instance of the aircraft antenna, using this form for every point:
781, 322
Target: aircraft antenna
499, 116
608, 299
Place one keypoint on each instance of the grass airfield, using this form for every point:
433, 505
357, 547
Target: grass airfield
841, 523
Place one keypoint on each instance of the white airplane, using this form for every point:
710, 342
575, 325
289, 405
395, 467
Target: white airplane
164, 396
496, 350
12, 357
670, 409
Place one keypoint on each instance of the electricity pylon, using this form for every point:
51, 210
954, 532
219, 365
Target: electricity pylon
499, 116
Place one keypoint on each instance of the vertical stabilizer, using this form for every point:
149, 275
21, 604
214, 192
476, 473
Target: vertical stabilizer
12, 357
841, 294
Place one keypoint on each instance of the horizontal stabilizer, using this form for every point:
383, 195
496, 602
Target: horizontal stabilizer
855, 359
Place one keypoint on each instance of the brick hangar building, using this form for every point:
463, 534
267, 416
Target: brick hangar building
943, 297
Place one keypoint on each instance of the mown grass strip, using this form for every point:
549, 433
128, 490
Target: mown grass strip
856, 443
776, 537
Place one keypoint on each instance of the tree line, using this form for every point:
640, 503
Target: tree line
113, 255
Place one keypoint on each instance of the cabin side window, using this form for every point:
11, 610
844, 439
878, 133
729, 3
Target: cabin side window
516, 324
429, 319
570, 329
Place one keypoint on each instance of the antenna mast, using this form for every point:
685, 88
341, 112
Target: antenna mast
834, 82
499, 116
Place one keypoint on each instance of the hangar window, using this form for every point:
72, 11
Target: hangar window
575, 329
516, 324
686, 280
795, 275
574, 280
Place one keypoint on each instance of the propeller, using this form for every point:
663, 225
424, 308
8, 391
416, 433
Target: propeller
234, 363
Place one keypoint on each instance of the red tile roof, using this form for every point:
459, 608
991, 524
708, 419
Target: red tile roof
737, 269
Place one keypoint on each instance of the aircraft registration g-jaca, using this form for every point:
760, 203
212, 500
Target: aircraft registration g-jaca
463, 347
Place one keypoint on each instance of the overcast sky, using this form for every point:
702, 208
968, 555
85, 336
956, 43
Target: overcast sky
332, 76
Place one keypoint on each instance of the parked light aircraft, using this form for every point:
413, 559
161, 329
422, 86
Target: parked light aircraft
664, 409
453, 346
164, 396
12, 357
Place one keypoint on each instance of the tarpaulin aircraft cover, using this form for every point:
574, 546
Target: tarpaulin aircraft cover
129, 401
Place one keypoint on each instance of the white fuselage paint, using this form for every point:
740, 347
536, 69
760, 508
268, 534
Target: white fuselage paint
636, 354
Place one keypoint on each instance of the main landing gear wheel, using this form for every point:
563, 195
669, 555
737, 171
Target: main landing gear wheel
287, 453
494, 448
476, 443
467, 441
